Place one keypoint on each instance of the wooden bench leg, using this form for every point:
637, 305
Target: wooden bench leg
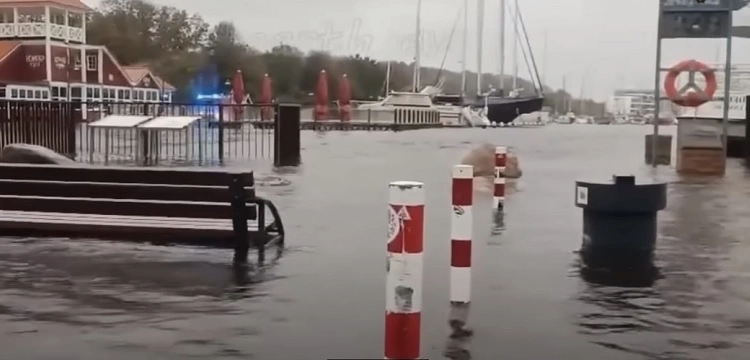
240, 214
272, 232
260, 241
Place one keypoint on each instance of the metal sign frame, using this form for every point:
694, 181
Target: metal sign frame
686, 10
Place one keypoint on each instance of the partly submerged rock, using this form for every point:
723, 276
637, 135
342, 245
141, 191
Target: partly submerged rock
483, 159
32, 154
270, 180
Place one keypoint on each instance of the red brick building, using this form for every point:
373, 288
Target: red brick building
44, 56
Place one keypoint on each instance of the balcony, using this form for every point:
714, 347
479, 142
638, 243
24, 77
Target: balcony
41, 22
40, 30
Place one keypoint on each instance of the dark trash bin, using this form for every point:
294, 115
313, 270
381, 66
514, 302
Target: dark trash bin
619, 222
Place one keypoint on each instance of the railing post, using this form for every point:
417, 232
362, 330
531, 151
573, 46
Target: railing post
221, 133
71, 125
287, 145
145, 138
746, 144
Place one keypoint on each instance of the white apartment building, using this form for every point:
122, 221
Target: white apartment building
635, 103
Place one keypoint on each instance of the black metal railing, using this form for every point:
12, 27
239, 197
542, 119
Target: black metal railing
218, 133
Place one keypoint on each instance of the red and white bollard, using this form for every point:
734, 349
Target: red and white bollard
501, 157
405, 265
461, 233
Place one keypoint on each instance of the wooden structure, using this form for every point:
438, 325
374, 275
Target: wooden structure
700, 149
702, 161
213, 208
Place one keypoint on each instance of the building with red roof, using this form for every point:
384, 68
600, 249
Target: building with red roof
44, 56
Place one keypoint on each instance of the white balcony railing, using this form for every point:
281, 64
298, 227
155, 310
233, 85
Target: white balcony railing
36, 30
31, 30
75, 34
57, 31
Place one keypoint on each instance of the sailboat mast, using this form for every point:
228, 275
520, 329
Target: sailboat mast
415, 81
502, 46
544, 61
480, 31
387, 78
463, 51
581, 103
515, 45
565, 96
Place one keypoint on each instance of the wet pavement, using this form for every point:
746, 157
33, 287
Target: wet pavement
325, 297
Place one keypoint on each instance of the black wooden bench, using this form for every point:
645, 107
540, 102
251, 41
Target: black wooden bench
189, 206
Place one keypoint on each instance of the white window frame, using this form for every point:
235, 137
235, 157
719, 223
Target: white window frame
92, 62
26, 89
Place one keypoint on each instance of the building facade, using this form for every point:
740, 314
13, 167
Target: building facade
44, 57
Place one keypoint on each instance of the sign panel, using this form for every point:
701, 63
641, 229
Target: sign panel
701, 6
694, 25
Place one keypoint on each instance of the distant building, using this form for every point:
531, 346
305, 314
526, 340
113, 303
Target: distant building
44, 56
635, 102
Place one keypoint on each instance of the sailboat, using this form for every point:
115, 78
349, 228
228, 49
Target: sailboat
453, 111
411, 106
503, 109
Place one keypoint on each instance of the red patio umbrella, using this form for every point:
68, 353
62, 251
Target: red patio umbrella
321, 97
238, 94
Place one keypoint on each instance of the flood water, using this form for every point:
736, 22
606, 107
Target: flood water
325, 297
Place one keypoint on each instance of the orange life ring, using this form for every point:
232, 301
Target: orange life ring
690, 98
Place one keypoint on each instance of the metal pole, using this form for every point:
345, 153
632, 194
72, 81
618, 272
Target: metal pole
516, 42
415, 82
727, 81
464, 49
480, 32
502, 47
657, 91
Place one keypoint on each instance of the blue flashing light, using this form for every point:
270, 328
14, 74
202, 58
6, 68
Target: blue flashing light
210, 97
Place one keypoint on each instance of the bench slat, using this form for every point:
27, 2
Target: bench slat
215, 233
121, 207
29, 217
130, 175
185, 193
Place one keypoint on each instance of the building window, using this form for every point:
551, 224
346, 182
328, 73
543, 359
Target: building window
3, 94
22, 94
92, 63
75, 92
14, 93
97, 93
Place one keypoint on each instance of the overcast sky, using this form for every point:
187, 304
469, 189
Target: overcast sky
606, 44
